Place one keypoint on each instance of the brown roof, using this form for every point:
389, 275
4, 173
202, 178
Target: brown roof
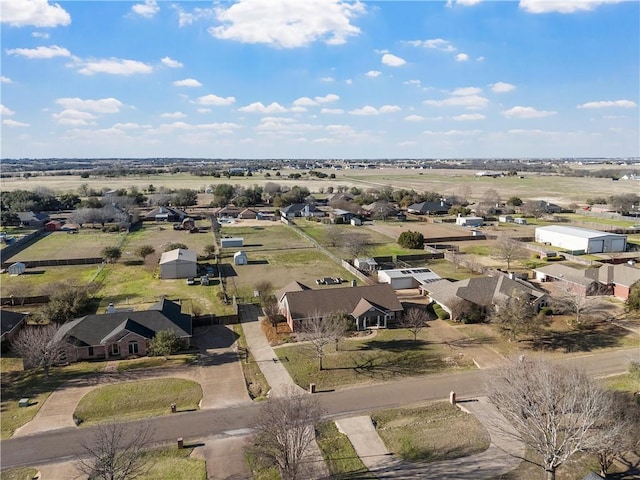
294, 286
353, 300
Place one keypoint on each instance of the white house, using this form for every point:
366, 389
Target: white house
178, 263
404, 278
577, 239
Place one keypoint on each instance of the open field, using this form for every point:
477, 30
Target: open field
384, 355
60, 245
145, 398
553, 188
430, 433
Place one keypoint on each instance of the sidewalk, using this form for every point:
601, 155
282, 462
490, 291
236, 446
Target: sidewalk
502, 456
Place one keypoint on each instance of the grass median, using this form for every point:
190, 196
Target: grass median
145, 398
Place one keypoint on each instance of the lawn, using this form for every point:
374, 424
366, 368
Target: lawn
145, 398
156, 362
430, 433
86, 243
340, 456
173, 464
386, 355
24, 473
32, 384
36, 280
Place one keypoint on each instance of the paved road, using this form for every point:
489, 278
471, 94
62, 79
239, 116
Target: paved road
63, 444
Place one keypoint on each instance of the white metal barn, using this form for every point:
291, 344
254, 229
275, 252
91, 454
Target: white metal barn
407, 277
577, 239
469, 221
230, 242
178, 263
17, 268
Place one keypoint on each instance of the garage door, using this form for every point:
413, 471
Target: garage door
596, 246
618, 245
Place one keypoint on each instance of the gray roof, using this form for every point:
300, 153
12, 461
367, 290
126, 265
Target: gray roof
9, 320
307, 303
93, 330
179, 254
425, 207
294, 286
577, 231
579, 276
622, 274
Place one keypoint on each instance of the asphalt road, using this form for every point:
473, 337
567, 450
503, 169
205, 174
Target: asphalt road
65, 443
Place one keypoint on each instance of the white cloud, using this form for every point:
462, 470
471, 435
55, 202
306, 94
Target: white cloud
502, 87
215, 100
147, 9
173, 115
331, 111
453, 133
562, 6
187, 82
527, 112
373, 73
480, 59
40, 34
462, 57
315, 101
471, 102
103, 105
288, 23
37, 13
259, 107
187, 18
434, 43
327, 79
113, 66
40, 52
203, 110
609, 103
464, 91
6, 111
392, 61
348, 81
369, 110
415, 83
465, 117
468, 3
74, 117
414, 118
13, 123
170, 62
182, 127
4, 79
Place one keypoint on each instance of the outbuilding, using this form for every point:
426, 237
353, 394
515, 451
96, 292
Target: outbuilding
17, 268
178, 263
230, 242
405, 278
240, 258
581, 240
469, 221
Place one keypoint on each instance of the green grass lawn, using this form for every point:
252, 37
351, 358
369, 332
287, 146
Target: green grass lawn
34, 385
24, 473
156, 362
145, 398
391, 354
438, 431
446, 269
173, 464
338, 452
60, 245
36, 280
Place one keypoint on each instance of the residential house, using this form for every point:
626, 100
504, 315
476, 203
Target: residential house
300, 210
31, 219
582, 281
620, 277
482, 292
120, 335
340, 216
380, 209
165, 214
429, 208
10, 323
53, 225
230, 211
371, 306
248, 214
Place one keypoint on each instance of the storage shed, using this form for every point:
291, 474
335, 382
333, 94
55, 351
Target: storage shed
240, 258
230, 242
178, 263
17, 268
577, 239
469, 221
405, 278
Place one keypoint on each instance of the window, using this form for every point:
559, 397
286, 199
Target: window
115, 349
90, 351
133, 348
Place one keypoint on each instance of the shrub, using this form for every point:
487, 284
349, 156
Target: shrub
440, 312
166, 342
412, 240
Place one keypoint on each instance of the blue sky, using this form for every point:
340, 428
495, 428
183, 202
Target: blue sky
320, 79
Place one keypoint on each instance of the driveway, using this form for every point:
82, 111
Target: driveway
218, 372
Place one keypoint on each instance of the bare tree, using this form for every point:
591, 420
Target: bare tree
116, 452
271, 310
285, 430
356, 245
264, 289
516, 315
509, 250
581, 306
334, 235
320, 331
554, 409
39, 347
414, 320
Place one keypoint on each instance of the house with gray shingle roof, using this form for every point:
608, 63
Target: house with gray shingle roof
370, 306
583, 281
118, 334
483, 292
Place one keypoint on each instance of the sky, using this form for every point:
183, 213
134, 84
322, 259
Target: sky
326, 79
